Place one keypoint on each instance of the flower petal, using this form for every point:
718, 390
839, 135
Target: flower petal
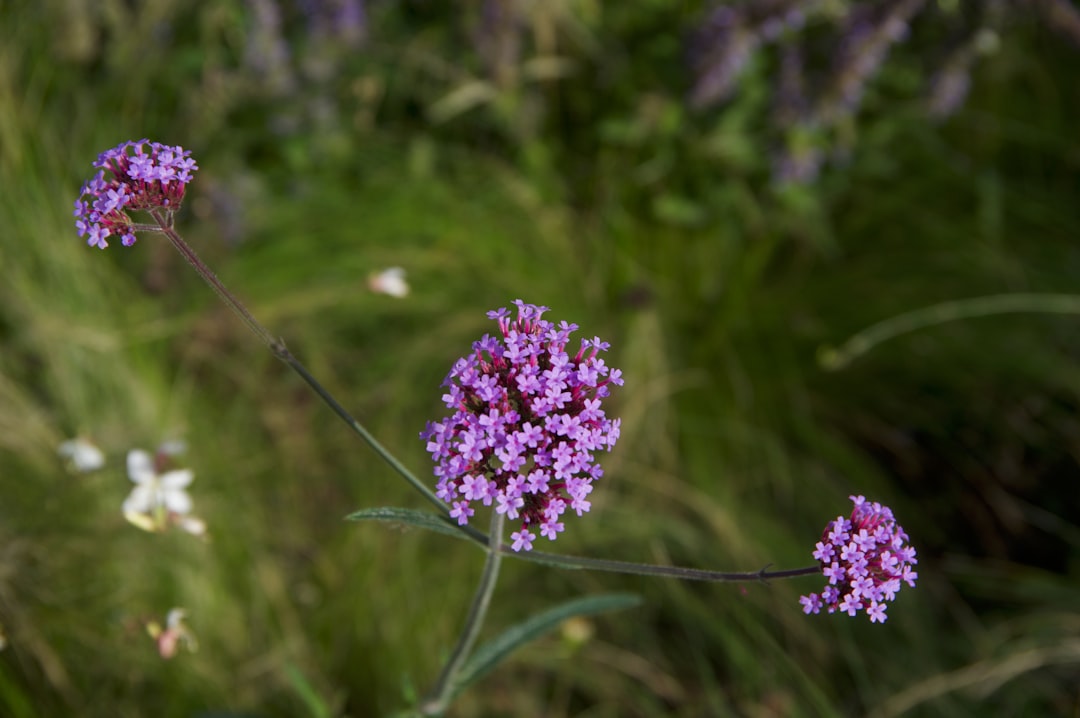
140, 466
84, 456
176, 501
141, 500
176, 479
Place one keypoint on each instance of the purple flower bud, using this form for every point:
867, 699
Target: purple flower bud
525, 445
865, 559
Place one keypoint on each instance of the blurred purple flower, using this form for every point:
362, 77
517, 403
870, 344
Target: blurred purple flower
719, 54
527, 421
498, 37
950, 84
866, 559
797, 164
139, 180
790, 103
342, 20
869, 35
800, 158
267, 51
728, 38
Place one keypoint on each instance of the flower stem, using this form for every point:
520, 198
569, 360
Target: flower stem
648, 569
635, 569
277, 348
440, 696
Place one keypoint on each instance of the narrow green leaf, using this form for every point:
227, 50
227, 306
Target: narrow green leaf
411, 517
492, 653
307, 693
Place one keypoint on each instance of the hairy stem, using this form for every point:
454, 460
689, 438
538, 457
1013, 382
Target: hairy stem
443, 692
278, 348
629, 567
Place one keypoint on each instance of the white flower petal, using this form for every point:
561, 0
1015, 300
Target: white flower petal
175, 618
83, 455
390, 282
176, 479
140, 466
176, 500
193, 525
141, 500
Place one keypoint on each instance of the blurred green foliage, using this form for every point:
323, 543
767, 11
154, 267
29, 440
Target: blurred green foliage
574, 175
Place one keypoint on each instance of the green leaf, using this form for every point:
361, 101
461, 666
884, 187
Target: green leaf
412, 517
491, 654
317, 708
679, 211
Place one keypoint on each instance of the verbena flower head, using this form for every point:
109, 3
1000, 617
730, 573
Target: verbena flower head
140, 175
527, 423
866, 558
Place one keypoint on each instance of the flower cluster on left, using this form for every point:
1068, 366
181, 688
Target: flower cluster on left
159, 500
139, 175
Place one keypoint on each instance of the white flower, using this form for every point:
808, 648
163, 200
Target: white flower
173, 635
82, 456
390, 282
155, 496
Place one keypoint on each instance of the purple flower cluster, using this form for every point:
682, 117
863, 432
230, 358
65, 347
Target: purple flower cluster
866, 559
527, 421
730, 36
869, 36
140, 180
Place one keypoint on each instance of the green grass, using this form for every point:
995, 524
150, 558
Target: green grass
736, 448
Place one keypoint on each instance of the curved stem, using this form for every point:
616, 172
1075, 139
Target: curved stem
278, 348
635, 569
865, 340
648, 569
443, 692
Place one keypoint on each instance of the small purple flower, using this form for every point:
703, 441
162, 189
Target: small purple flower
874, 559
130, 178
526, 445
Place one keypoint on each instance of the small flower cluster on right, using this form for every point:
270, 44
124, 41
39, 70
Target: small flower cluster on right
866, 558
